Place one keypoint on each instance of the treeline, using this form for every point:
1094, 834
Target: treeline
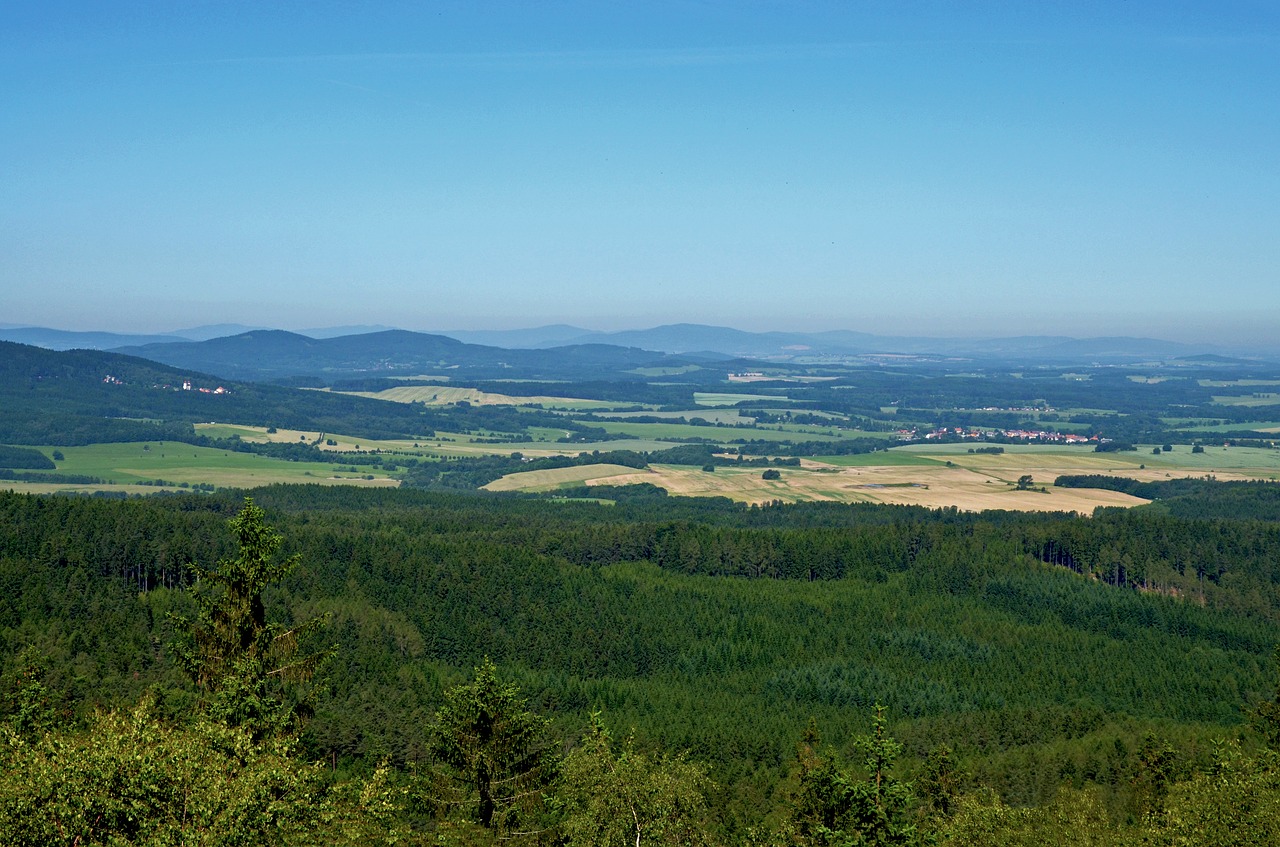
24, 458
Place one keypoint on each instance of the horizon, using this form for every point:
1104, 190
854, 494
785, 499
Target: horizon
909, 171
195, 332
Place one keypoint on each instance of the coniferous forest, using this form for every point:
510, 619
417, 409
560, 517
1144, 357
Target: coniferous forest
331, 665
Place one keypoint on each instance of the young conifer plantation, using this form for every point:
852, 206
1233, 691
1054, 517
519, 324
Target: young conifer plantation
314, 665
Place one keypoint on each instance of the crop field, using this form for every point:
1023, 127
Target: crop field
439, 395
661, 431
920, 475
1225, 383
728, 416
1223, 462
550, 480
1197, 425
671, 371
342, 443
924, 486
709, 398
817, 432
1262, 398
124, 467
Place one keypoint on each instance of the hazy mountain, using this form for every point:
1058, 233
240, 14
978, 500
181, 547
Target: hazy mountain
61, 339
276, 354
696, 341
684, 338
337, 331
207, 331
555, 335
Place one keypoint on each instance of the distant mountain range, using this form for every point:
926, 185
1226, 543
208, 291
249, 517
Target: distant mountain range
236, 351
278, 355
800, 346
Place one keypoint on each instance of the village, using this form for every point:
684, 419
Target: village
1039, 435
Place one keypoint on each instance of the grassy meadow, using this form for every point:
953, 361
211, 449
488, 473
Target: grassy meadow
137, 468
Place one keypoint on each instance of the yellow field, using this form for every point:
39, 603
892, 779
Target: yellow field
438, 395
921, 486
550, 480
294, 436
973, 481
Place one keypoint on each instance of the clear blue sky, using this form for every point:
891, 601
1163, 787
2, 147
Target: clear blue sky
895, 167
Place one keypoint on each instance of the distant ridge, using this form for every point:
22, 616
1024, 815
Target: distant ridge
62, 339
699, 341
555, 335
790, 346
264, 355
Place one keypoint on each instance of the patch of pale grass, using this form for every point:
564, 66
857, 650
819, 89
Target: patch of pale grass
549, 480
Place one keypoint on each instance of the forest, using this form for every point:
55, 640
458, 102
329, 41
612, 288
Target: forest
333, 665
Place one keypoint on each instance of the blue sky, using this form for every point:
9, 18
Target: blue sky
895, 167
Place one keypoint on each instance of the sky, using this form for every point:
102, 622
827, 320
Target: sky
907, 168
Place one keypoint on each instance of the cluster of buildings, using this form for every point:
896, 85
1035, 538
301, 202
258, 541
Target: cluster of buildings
186, 386
1013, 434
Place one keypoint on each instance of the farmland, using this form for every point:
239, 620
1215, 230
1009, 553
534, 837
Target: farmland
935, 476
145, 468
439, 395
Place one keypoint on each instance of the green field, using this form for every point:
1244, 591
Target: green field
178, 463
1265, 398
1225, 383
663, 431
672, 371
709, 398
1255, 426
728, 416
812, 432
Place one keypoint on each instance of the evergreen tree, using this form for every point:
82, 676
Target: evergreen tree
240, 663
833, 808
493, 756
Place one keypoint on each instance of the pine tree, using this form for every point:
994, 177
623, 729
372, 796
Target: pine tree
493, 756
240, 663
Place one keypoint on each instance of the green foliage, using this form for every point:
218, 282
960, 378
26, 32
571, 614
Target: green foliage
493, 757
1072, 818
240, 662
1266, 715
27, 702
834, 808
1008, 638
610, 796
130, 778
1236, 803
940, 781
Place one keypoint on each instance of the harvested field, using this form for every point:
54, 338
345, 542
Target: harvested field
922, 486
549, 480
439, 395
937, 475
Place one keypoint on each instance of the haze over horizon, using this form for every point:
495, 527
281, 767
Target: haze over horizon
911, 169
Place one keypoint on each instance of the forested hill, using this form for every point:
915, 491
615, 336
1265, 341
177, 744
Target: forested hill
264, 355
87, 396
719, 630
